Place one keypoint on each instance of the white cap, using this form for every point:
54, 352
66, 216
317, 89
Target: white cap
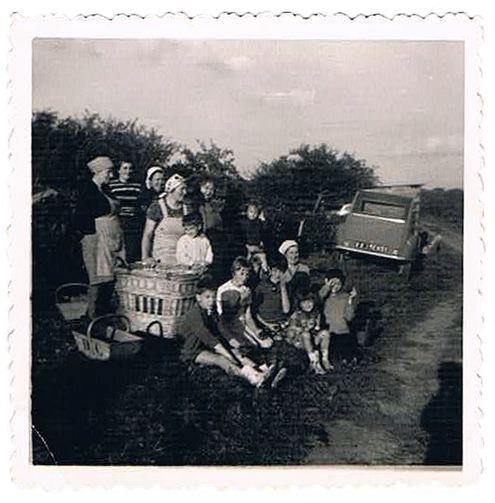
149, 174
289, 243
173, 182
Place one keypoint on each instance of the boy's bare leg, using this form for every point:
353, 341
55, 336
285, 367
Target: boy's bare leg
324, 337
247, 372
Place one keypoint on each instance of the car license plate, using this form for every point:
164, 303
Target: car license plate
360, 245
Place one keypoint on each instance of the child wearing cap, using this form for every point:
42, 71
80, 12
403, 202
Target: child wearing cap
338, 310
304, 332
193, 248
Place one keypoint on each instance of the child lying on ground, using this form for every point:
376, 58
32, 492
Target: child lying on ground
205, 345
193, 248
338, 311
304, 332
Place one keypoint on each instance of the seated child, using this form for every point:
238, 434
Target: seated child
296, 276
305, 332
234, 300
193, 248
204, 344
269, 294
253, 226
338, 310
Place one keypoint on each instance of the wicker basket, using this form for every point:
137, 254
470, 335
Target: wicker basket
163, 294
108, 342
71, 300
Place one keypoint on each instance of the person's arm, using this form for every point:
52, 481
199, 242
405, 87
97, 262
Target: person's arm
324, 290
350, 308
209, 253
284, 295
147, 240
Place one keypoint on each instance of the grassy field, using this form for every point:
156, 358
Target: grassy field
154, 411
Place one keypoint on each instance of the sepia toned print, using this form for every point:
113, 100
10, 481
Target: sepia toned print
251, 252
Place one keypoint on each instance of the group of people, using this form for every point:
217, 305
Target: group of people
251, 324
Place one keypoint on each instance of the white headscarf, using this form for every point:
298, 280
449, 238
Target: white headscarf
284, 247
173, 182
149, 175
99, 164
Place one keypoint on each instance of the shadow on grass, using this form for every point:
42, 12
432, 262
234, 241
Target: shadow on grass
442, 418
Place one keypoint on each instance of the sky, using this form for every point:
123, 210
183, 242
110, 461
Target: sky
399, 105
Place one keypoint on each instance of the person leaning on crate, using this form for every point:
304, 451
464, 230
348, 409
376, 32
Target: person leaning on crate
102, 238
163, 226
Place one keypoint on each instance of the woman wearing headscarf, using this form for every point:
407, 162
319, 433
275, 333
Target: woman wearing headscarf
154, 185
163, 226
102, 238
296, 277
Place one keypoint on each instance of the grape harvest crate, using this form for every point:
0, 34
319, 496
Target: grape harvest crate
163, 294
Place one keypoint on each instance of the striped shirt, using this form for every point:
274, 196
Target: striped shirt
128, 194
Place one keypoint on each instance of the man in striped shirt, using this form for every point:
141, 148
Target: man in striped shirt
128, 193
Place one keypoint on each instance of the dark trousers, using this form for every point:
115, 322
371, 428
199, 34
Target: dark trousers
133, 233
100, 299
342, 347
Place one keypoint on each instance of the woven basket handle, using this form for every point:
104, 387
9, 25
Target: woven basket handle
68, 285
153, 323
107, 317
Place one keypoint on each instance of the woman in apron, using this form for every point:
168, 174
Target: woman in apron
163, 226
103, 240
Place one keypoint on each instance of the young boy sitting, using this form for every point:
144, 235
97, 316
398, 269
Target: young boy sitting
253, 227
204, 344
305, 332
193, 248
338, 309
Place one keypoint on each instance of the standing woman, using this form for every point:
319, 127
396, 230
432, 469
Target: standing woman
163, 226
154, 185
103, 240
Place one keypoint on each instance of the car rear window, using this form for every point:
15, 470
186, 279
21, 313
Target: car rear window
383, 210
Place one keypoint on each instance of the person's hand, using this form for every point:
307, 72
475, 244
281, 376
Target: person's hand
149, 262
352, 295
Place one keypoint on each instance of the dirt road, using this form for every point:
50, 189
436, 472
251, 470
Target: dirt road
406, 408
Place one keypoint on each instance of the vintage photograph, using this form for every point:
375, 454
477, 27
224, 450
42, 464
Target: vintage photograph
247, 252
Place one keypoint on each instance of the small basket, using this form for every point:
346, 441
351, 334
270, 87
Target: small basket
72, 306
112, 342
163, 293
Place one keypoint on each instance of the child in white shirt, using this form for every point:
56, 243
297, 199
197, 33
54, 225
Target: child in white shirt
194, 248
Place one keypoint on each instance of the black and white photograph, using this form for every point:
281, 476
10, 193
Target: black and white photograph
247, 252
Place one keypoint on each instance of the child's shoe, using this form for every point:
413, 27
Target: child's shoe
253, 376
327, 365
318, 369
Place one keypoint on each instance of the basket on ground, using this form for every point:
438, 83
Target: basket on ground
160, 293
71, 300
108, 337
